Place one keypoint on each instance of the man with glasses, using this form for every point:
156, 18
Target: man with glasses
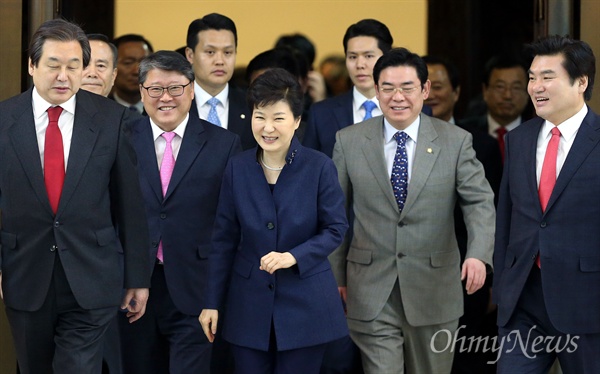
400, 275
181, 161
505, 95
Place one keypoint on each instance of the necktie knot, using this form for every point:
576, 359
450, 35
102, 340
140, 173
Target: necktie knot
501, 131
369, 106
401, 138
555, 131
213, 117
168, 136
54, 113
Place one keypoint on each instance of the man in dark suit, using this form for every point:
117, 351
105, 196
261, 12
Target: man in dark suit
66, 187
181, 163
547, 263
211, 49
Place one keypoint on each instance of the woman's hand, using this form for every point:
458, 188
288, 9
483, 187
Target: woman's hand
209, 319
274, 261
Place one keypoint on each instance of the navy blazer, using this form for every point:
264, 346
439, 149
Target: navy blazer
100, 192
304, 215
184, 218
327, 117
566, 235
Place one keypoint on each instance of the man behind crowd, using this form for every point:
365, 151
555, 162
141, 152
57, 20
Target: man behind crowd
68, 178
402, 174
505, 95
182, 159
131, 50
99, 76
212, 49
547, 280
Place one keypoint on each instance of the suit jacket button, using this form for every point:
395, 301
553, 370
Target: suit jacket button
163, 215
53, 248
270, 226
56, 224
154, 244
271, 286
401, 224
543, 224
400, 255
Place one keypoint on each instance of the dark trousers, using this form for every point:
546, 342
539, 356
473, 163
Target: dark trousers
60, 337
577, 354
341, 356
164, 340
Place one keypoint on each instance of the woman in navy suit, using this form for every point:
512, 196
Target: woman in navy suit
280, 214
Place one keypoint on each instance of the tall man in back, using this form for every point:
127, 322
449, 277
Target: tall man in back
402, 174
547, 253
211, 49
66, 186
181, 162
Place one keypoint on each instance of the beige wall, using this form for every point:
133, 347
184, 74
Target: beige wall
259, 23
590, 33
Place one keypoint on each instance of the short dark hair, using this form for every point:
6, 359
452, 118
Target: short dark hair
273, 86
372, 28
104, 38
127, 38
507, 61
401, 57
62, 31
299, 43
168, 61
579, 59
274, 58
212, 21
451, 69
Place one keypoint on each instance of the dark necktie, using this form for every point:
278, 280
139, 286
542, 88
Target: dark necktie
500, 133
369, 106
54, 158
548, 176
399, 176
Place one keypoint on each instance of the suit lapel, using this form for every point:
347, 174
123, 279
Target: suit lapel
373, 151
192, 143
85, 132
24, 140
146, 154
426, 154
585, 141
529, 160
237, 115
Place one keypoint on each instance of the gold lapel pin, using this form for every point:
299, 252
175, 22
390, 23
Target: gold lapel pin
429, 150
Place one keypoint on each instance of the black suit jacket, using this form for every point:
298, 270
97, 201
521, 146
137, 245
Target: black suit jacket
101, 193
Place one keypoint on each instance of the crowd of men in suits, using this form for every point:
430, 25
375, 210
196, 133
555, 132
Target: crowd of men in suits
110, 203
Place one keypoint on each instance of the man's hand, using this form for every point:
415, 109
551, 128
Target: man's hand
474, 271
273, 261
316, 86
135, 302
209, 319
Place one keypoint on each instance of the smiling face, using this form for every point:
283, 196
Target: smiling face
554, 96
273, 127
100, 74
57, 76
442, 96
213, 59
167, 111
401, 109
362, 53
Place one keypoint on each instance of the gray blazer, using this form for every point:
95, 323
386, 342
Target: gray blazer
417, 247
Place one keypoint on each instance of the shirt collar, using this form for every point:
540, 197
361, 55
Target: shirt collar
568, 129
179, 130
40, 105
202, 96
493, 124
358, 99
139, 105
412, 130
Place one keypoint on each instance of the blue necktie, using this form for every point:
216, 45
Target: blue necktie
369, 106
213, 117
399, 176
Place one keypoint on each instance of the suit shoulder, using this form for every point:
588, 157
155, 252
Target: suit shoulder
332, 102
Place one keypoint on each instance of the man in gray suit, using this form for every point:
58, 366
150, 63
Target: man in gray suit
400, 273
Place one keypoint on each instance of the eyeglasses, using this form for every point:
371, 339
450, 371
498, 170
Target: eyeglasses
514, 90
174, 91
406, 91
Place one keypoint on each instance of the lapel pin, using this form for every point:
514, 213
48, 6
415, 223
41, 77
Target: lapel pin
429, 150
242, 116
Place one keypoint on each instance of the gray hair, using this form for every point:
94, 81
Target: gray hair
168, 61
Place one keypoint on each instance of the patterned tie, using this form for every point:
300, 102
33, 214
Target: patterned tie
500, 133
548, 176
54, 158
166, 170
399, 176
213, 117
369, 106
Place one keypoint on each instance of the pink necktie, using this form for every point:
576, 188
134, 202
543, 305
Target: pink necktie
548, 176
54, 158
166, 170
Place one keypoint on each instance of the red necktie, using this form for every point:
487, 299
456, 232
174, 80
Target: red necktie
54, 158
500, 132
548, 176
